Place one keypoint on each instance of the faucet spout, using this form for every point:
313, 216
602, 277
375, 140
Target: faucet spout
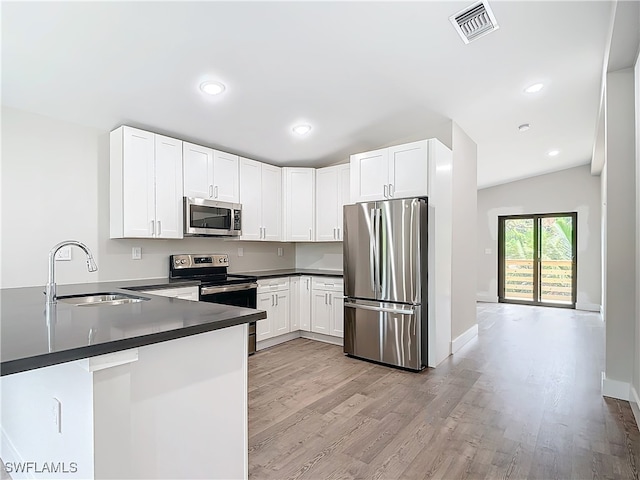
51, 283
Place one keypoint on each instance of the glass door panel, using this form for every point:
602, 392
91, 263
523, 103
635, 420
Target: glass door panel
556, 260
537, 259
519, 261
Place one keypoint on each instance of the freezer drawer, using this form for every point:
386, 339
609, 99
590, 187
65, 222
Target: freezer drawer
385, 332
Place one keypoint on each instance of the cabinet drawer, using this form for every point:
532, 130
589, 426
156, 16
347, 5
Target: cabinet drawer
333, 284
273, 284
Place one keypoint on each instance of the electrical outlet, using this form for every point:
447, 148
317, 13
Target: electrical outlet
280, 251
64, 254
487, 251
240, 251
136, 253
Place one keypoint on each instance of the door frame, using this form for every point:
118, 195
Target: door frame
536, 258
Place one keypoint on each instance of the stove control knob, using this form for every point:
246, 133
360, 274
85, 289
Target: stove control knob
183, 261
177, 262
221, 260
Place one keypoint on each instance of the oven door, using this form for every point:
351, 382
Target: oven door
239, 295
211, 218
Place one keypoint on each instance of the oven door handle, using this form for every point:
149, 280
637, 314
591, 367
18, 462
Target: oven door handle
227, 288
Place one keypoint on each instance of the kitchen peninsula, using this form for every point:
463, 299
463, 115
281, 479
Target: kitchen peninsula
153, 388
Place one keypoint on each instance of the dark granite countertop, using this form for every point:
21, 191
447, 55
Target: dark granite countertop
33, 338
292, 272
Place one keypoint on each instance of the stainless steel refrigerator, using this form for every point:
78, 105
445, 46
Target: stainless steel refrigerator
385, 282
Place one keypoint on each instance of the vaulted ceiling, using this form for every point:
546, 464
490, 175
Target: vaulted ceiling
363, 74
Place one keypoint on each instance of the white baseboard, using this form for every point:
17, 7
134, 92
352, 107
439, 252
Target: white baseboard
589, 307
461, 340
272, 342
483, 297
322, 338
635, 405
615, 388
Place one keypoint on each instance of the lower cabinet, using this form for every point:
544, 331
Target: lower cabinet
273, 297
327, 316
300, 303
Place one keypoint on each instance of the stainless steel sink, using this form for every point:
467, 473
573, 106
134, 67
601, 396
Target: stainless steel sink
101, 299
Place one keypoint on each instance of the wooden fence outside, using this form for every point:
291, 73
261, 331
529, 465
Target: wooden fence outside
555, 281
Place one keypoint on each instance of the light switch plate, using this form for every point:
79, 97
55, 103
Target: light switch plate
240, 251
136, 253
280, 251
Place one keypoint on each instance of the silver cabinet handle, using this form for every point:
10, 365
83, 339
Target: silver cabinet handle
264, 232
334, 233
152, 228
310, 233
159, 228
400, 311
307, 284
330, 301
215, 192
210, 191
339, 237
391, 190
272, 304
277, 301
385, 188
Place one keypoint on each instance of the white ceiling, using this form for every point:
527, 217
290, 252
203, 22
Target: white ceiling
364, 74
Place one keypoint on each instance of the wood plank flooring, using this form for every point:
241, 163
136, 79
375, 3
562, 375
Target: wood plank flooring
522, 400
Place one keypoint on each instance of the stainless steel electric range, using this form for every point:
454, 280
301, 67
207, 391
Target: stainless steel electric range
216, 285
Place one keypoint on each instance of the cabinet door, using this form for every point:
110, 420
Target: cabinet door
168, 187
271, 203
327, 199
305, 304
320, 312
138, 190
264, 328
281, 312
226, 184
294, 303
251, 199
299, 193
337, 314
198, 171
408, 170
369, 176
344, 195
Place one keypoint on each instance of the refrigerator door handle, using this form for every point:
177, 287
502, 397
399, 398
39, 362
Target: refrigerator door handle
372, 249
378, 273
401, 311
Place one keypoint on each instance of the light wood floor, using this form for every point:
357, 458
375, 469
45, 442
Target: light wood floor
522, 400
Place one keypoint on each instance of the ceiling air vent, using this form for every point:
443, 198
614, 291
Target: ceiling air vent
474, 22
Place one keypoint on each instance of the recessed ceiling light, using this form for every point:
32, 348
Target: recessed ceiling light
302, 129
212, 88
553, 153
524, 127
535, 88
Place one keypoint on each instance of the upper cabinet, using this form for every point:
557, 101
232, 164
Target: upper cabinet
145, 185
261, 199
299, 198
401, 171
210, 174
332, 193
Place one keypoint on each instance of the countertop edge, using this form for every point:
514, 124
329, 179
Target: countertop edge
49, 359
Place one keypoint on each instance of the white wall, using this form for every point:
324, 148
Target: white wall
570, 190
55, 186
464, 233
319, 255
635, 397
619, 274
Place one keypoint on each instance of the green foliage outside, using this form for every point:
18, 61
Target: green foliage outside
556, 238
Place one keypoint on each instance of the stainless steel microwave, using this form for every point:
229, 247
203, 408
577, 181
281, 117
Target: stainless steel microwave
211, 218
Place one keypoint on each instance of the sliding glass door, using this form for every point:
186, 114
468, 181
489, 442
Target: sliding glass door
537, 259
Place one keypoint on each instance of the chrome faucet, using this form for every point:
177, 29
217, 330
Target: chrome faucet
51, 284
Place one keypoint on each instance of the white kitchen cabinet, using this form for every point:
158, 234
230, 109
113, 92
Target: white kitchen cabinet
183, 293
305, 303
332, 193
294, 303
210, 174
273, 297
261, 199
327, 303
299, 200
145, 185
401, 171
